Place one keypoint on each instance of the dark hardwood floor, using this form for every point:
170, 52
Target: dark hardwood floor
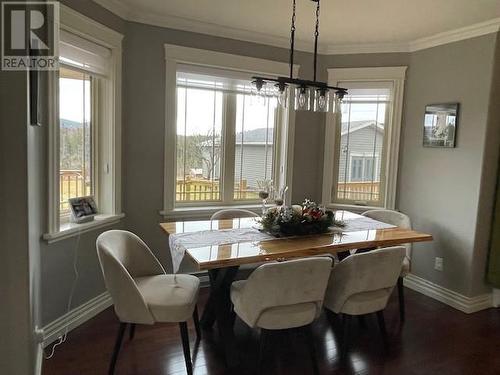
435, 339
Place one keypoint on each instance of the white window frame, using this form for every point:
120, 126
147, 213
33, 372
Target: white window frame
107, 150
396, 75
174, 55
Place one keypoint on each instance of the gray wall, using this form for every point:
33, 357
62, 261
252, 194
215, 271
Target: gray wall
19, 311
144, 124
56, 259
466, 71
439, 188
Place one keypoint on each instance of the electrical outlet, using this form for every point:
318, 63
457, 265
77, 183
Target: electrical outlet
438, 264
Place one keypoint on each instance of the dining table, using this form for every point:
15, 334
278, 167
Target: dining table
221, 247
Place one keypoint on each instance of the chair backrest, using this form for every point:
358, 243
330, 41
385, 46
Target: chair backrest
232, 213
364, 272
124, 256
392, 217
286, 283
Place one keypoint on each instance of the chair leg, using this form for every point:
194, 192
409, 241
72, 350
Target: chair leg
383, 330
132, 331
185, 347
312, 349
116, 350
196, 320
346, 323
264, 338
401, 295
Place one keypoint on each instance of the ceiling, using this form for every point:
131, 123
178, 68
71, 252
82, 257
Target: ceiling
391, 23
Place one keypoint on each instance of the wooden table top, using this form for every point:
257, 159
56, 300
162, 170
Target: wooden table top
218, 256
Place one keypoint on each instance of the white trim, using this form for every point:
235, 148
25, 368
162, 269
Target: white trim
496, 297
174, 55
207, 28
75, 318
87, 28
395, 74
128, 13
456, 300
38, 359
72, 229
107, 154
227, 61
467, 32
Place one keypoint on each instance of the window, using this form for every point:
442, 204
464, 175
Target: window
85, 115
361, 148
76, 128
220, 140
216, 117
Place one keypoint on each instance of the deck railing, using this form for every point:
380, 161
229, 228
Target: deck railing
363, 191
199, 189
71, 184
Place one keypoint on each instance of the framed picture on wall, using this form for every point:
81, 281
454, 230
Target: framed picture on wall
440, 125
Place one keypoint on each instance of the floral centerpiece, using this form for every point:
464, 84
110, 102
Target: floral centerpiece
296, 220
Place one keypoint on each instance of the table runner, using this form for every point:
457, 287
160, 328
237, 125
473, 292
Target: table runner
179, 242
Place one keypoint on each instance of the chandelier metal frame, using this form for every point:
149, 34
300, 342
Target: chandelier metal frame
282, 83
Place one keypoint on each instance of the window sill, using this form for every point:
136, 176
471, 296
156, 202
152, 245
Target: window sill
68, 230
204, 213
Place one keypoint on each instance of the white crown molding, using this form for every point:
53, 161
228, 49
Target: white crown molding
115, 6
472, 31
456, 300
200, 27
180, 23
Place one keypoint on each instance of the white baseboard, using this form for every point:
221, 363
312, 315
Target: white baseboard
38, 359
496, 297
75, 317
456, 300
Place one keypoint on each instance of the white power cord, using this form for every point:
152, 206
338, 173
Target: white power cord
62, 338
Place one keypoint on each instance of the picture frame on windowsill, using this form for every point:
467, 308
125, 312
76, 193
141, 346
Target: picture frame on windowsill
83, 209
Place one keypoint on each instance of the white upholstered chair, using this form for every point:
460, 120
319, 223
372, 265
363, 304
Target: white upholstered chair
403, 221
232, 213
142, 292
362, 284
283, 295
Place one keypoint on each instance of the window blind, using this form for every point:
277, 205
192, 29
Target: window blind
199, 77
83, 54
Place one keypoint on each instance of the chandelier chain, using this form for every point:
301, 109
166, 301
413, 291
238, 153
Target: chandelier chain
316, 35
292, 38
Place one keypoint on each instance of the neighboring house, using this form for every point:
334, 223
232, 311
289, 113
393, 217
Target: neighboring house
258, 151
361, 145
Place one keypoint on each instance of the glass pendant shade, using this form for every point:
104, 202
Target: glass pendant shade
258, 94
321, 100
337, 102
302, 99
283, 95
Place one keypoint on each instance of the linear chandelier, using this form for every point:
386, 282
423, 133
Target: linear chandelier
309, 95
